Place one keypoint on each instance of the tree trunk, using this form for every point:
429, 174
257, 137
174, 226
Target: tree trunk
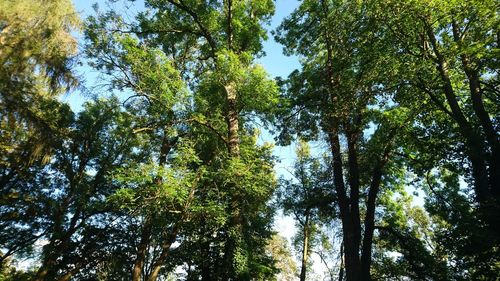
366, 251
352, 159
349, 229
141, 250
164, 253
341, 269
351, 252
485, 165
232, 121
305, 250
235, 227
45, 272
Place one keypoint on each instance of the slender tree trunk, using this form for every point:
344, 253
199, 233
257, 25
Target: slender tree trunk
352, 156
341, 269
366, 251
232, 120
305, 250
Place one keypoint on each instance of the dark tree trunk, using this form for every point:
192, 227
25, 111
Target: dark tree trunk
305, 250
165, 251
352, 156
349, 229
476, 93
141, 250
366, 251
341, 269
485, 170
46, 270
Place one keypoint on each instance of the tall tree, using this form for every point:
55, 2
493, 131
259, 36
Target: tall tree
302, 197
344, 95
36, 48
227, 36
450, 53
159, 103
213, 46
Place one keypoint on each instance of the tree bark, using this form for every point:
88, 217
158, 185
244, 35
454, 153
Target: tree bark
305, 250
341, 269
141, 250
366, 251
45, 270
349, 230
352, 159
232, 120
235, 224
164, 253
476, 93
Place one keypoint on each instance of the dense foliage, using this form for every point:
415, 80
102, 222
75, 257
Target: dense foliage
162, 175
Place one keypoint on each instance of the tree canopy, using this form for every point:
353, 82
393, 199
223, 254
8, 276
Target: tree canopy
163, 174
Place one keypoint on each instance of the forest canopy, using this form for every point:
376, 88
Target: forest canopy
169, 169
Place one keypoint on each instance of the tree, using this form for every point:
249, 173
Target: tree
226, 86
227, 36
303, 197
407, 230
340, 94
165, 177
61, 202
450, 50
280, 250
159, 102
36, 48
